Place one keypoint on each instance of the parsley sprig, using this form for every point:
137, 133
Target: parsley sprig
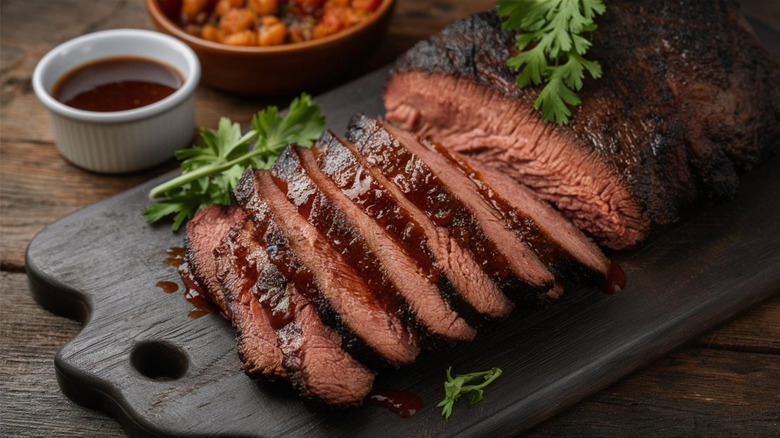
456, 387
211, 171
552, 49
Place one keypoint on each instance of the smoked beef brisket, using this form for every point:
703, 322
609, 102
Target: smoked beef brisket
204, 233
450, 200
347, 257
687, 98
321, 273
280, 334
350, 256
392, 275
468, 288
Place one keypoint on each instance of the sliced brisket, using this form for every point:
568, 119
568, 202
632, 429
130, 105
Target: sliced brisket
393, 276
321, 273
451, 200
204, 233
676, 111
557, 242
340, 230
317, 364
242, 264
431, 245
279, 332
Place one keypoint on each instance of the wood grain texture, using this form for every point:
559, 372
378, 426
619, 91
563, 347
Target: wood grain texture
31, 173
696, 391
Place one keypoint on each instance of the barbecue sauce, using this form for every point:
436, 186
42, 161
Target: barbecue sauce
616, 279
279, 309
340, 164
523, 225
425, 190
403, 403
168, 287
325, 215
194, 293
175, 256
117, 84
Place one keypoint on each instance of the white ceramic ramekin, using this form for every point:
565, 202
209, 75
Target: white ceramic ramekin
120, 141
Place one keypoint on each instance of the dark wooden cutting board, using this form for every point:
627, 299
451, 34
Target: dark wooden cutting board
101, 265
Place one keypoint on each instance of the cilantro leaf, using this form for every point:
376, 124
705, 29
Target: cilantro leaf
455, 388
552, 49
212, 169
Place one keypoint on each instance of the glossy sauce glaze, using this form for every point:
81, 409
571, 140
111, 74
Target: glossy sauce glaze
267, 287
293, 180
425, 190
117, 84
403, 403
339, 163
523, 225
409, 227
277, 249
290, 266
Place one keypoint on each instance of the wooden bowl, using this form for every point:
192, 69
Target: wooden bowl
283, 69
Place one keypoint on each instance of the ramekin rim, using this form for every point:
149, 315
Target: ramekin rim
175, 99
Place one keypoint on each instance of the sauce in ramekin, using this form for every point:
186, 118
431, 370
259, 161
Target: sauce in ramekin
117, 84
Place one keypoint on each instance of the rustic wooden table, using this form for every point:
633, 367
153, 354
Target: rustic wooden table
724, 384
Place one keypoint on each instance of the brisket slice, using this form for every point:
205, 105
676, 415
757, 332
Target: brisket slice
317, 364
204, 232
280, 334
393, 276
241, 265
340, 231
451, 200
677, 109
569, 254
321, 273
463, 282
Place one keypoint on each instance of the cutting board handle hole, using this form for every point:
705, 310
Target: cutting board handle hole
159, 360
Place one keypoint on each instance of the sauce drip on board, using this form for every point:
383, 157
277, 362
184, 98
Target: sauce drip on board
116, 84
168, 286
175, 256
194, 293
403, 403
616, 279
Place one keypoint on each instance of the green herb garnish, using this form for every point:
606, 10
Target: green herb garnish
456, 387
553, 30
211, 171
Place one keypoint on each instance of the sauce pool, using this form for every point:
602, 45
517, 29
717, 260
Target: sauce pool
616, 280
168, 286
403, 403
193, 290
117, 84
